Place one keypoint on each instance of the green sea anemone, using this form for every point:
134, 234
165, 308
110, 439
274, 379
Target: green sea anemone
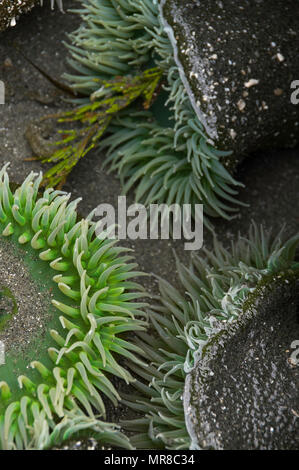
221, 288
75, 298
167, 149
9, 10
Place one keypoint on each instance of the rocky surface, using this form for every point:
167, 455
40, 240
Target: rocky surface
10, 11
244, 393
239, 61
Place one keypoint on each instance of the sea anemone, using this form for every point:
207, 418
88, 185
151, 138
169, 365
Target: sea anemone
167, 152
221, 289
75, 300
9, 10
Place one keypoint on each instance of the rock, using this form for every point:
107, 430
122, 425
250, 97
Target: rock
9, 11
8, 62
238, 64
243, 393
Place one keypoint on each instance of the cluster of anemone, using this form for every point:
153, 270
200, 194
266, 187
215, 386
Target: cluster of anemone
95, 301
166, 159
164, 152
218, 288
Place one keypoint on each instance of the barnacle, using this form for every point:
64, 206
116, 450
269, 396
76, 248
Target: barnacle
58, 383
9, 10
220, 287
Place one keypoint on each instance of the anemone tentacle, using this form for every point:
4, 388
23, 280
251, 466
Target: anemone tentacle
95, 300
218, 286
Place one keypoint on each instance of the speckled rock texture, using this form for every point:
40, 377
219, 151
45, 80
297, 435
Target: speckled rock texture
31, 317
10, 9
244, 393
239, 60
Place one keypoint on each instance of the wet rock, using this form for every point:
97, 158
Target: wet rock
9, 11
239, 61
243, 394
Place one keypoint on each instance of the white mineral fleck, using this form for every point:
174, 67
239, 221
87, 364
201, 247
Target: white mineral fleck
251, 82
241, 105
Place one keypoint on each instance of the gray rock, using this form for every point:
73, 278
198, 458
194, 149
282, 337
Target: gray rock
243, 393
10, 10
239, 60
